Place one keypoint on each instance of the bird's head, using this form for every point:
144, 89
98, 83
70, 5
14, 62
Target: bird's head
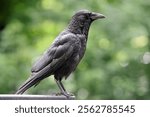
82, 19
85, 15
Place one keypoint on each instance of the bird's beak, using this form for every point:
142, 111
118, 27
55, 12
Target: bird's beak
95, 16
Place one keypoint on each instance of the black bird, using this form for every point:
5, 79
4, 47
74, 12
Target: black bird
65, 53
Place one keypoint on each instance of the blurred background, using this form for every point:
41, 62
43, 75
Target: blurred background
117, 61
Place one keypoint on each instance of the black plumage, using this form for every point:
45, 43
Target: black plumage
65, 53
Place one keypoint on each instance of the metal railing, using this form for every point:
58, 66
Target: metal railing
34, 97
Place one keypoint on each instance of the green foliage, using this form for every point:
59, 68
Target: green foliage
117, 61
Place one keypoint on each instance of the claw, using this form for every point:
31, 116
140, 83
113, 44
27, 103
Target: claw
68, 95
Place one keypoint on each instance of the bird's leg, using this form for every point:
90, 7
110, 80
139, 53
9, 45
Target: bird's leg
62, 89
62, 86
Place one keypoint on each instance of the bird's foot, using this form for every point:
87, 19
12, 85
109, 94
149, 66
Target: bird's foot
58, 94
71, 94
68, 95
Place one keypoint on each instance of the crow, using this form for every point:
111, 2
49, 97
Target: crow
64, 54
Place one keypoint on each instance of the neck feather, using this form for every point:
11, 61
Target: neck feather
75, 27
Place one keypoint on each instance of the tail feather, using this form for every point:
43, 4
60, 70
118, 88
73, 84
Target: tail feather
34, 79
29, 83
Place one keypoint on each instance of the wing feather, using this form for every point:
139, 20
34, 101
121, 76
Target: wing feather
56, 54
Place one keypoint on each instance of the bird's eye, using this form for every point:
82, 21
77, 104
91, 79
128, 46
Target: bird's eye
90, 13
82, 17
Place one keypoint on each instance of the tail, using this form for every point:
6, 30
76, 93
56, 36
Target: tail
29, 83
34, 79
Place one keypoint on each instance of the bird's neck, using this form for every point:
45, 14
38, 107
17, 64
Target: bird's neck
76, 28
